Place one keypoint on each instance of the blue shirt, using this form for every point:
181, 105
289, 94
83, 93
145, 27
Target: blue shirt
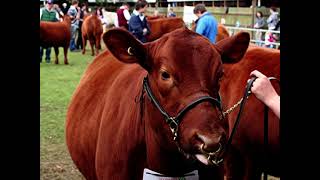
136, 25
207, 26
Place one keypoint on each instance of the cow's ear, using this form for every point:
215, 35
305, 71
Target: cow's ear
233, 48
125, 47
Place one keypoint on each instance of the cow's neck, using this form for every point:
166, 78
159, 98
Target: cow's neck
162, 153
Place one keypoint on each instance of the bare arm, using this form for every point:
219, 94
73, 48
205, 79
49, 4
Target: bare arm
264, 91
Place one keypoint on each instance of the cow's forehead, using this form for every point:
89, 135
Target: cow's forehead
187, 54
185, 45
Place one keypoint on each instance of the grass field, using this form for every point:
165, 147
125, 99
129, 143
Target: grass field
57, 84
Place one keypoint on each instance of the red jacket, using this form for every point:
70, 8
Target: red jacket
121, 19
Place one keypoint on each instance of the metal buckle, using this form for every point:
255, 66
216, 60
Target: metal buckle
173, 126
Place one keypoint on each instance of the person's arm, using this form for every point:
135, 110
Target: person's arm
270, 19
57, 17
41, 13
264, 91
116, 22
126, 14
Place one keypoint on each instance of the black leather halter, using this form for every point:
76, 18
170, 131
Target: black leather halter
173, 121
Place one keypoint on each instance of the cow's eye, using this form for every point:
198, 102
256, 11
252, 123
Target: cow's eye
165, 76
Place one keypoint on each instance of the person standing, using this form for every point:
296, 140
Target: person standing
259, 24
75, 16
206, 24
48, 14
171, 13
82, 13
123, 16
138, 24
64, 8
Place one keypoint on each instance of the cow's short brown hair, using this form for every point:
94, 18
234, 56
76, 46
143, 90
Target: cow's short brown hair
199, 7
141, 4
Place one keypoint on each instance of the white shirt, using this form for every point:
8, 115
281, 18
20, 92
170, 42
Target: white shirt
141, 16
126, 13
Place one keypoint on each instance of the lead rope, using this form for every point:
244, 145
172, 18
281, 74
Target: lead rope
266, 135
244, 99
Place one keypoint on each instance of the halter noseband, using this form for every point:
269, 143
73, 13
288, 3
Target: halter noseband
173, 121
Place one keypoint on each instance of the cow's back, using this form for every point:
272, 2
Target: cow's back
222, 33
102, 102
54, 33
92, 26
249, 135
161, 26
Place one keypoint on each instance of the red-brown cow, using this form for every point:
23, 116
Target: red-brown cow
155, 17
113, 133
245, 159
161, 26
56, 34
92, 31
222, 33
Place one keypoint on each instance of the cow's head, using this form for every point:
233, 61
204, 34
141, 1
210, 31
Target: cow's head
182, 67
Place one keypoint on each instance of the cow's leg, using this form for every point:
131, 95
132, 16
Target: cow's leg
65, 51
56, 50
92, 42
97, 44
84, 44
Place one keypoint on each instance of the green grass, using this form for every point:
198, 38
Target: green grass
57, 84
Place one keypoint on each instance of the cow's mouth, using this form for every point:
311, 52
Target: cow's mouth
209, 158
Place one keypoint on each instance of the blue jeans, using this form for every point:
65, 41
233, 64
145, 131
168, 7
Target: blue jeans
74, 28
48, 53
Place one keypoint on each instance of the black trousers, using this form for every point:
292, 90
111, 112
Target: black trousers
79, 39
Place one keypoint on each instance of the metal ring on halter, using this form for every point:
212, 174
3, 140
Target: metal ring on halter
129, 51
211, 153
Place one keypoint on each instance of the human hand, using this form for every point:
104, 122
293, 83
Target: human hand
144, 31
263, 89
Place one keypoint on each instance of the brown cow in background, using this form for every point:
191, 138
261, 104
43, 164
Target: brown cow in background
56, 34
92, 30
222, 33
161, 26
111, 134
245, 159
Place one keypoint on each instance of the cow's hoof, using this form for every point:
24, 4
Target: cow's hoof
66, 63
56, 62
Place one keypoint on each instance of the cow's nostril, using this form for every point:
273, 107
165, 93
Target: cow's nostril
209, 144
212, 147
